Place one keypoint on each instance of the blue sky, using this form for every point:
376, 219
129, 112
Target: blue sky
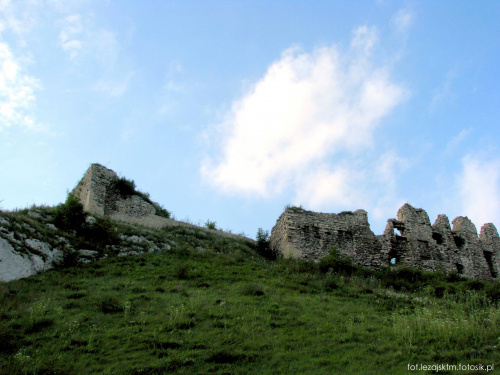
230, 110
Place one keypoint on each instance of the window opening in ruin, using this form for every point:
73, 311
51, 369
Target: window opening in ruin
459, 241
394, 258
437, 237
460, 268
397, 232
489, 260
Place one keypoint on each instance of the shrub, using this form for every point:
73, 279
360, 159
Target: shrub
100, 234
474, 285
160, 211
69, 259
492, 291
124, 187
210, 224
264, 247
69, 216
330, 283
182, 272
406, 278
333, 263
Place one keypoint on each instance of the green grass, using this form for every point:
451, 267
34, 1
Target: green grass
213, 305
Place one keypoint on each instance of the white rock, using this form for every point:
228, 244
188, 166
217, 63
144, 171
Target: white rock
88, 253
51, 226
13, 265
90, 220
39, 246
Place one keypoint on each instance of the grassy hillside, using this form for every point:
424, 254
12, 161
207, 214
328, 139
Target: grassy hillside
211, 304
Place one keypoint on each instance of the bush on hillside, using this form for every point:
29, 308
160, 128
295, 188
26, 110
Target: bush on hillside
333, 263
264, 247
69, 216
95, 234
210, 224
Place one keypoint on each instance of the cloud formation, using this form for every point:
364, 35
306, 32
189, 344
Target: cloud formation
17, 92
402, 21
479, 186
308, 124
70, 34
114, 89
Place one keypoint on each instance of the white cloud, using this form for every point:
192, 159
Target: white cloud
330, 187
308, 110
444, 93
70, 33
453, 144
479, 187
114, 88
80, 36
17, 92
402, 21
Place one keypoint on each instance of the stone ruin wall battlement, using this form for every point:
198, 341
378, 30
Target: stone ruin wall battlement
410, 240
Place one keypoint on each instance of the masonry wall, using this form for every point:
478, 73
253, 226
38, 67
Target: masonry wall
305, 234
410, 240
98, 198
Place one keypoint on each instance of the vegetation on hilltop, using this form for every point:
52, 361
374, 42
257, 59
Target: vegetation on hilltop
212, 304
126, 188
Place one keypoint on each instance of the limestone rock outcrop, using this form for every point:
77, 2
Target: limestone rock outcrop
409, 240
22, 254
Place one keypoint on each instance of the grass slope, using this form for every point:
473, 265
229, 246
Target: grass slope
212, 305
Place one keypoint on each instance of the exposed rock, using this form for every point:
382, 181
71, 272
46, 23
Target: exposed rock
90, 220
88, 253
51, 226
409, 240
16, 265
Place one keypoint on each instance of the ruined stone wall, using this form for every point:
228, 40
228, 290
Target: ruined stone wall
92, 189
410, 240
304, 234
97, 197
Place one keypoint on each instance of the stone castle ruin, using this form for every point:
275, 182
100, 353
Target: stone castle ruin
98, 193
410, 240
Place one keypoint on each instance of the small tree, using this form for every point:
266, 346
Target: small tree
263, 245
70, 215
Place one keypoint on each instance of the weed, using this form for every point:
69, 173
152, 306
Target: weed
210, 224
